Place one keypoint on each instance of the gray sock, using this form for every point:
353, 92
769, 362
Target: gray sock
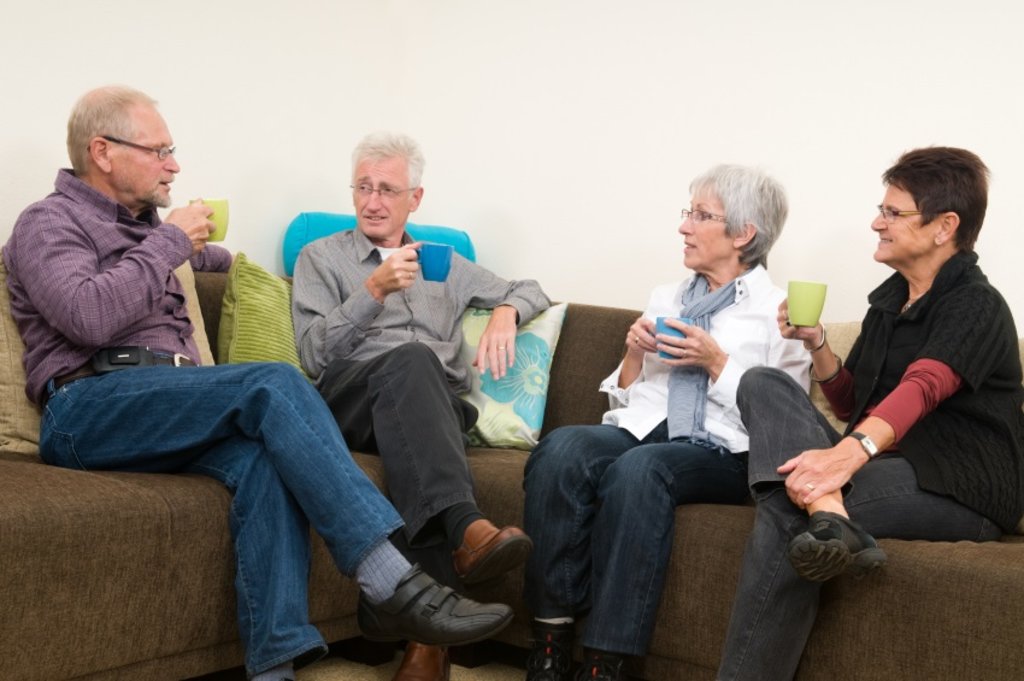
379, 573
282, 672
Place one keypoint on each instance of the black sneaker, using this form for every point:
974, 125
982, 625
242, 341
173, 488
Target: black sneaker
601, 667
550, 652
833, 545
423, 610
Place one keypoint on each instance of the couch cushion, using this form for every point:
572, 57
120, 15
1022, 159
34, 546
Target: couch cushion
256, 317
19, 418
195, 313
512, 407
841, 336
574, 397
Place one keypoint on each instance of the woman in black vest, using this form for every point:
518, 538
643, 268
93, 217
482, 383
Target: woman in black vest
932, 392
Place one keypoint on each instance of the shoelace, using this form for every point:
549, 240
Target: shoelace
553, 657
601, 669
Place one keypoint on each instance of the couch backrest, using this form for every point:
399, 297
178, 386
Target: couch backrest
589, 348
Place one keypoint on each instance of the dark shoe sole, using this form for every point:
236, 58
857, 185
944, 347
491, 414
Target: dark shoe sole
503, 558
819, 559
441, 640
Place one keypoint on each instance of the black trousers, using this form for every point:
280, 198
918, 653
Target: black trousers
400, 406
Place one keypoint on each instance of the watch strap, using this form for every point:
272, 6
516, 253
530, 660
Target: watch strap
866, 443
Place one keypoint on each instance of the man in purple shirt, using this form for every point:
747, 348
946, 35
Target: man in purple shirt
110, 357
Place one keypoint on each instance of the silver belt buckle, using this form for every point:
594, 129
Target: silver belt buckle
178, 357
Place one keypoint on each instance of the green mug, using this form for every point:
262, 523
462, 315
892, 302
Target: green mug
806, 300
219, 218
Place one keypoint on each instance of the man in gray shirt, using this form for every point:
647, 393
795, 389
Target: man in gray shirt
383, 344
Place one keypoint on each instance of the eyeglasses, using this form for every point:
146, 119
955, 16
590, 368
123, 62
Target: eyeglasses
385, 192
161, 152
890, 214
701, 216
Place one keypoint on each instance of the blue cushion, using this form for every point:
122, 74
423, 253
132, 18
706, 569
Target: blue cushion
308, 227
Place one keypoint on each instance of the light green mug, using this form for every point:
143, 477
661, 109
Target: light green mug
219, 218
806, 300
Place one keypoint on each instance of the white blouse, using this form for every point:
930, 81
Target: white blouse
747, 331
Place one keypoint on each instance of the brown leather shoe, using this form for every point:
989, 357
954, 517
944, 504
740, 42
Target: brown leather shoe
488, 552
424, 663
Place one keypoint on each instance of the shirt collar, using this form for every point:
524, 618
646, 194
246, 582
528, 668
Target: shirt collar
892, 293
755, 277
365, 248
77, 190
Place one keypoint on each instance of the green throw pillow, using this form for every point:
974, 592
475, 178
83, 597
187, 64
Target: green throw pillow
512, 408
256, 317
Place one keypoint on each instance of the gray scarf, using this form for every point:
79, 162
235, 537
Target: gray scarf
688, 386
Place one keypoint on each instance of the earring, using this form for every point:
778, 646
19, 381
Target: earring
938, 241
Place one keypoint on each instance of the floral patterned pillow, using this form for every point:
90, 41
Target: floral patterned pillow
512, 408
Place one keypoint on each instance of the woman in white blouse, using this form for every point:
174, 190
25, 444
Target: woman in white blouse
601, 499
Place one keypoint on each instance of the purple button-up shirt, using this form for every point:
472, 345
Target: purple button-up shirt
84, 274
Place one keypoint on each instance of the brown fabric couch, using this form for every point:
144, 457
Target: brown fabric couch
129, 576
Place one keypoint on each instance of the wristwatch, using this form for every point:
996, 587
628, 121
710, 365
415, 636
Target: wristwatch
866, 443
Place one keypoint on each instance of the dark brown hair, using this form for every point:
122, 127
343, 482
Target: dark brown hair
941, 180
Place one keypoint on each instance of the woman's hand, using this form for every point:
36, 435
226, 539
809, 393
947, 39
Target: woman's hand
810, 335
640, 338
698, 348
817, 472
639, 341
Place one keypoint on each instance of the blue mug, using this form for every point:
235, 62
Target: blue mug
435, 260
661, 327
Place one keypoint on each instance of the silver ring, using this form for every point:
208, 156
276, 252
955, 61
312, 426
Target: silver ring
810, 486
501, 347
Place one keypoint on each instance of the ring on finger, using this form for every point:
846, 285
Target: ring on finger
810, 486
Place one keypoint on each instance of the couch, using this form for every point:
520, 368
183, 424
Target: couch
129, 576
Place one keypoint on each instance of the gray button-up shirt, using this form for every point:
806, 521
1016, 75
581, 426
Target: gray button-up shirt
336, 317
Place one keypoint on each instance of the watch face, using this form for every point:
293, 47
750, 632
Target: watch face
866, 443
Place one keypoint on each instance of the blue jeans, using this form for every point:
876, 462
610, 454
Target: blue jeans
600, 508
775, 609
263, 431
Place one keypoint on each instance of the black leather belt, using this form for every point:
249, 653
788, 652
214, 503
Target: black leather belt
126, 357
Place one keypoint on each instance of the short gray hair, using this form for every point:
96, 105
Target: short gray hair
750, 197
103, 111
381, 145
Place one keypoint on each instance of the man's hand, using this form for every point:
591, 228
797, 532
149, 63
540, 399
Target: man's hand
394, 274
194, 221
497, 349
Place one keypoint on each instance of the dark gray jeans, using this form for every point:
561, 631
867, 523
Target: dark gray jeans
775, 608
399, 405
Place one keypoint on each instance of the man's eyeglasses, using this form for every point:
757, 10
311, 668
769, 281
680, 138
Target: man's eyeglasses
161, 152
890, 214
365, 191
701, 216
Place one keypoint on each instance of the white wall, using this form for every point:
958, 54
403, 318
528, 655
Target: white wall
561, 135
